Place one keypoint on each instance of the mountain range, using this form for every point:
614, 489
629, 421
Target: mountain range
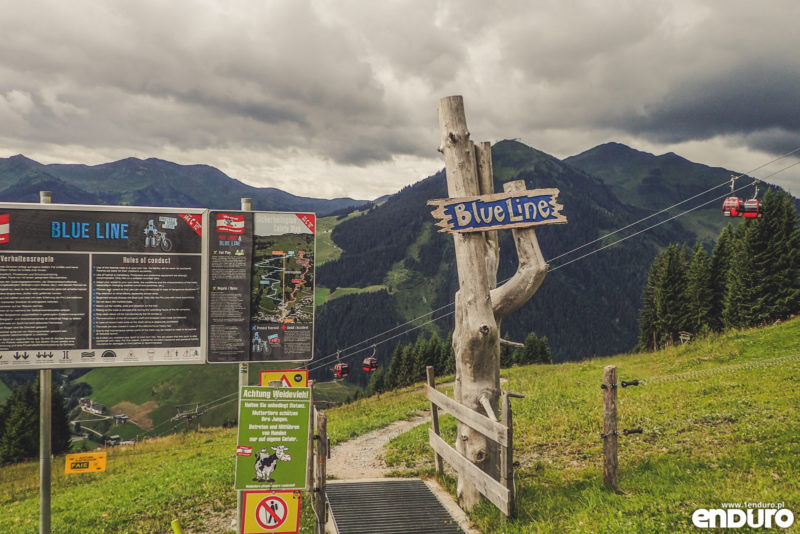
149, 182
392, 266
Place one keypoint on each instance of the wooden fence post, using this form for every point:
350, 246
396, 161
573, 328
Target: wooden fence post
435, 419
610, 462
507, 455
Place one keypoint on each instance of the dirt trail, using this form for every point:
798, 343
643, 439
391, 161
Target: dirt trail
362, 457
359, 458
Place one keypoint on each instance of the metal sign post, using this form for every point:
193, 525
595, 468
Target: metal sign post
45, 424
84, 258
244, 379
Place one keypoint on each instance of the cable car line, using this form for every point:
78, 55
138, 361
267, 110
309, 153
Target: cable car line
733, 178
318, 364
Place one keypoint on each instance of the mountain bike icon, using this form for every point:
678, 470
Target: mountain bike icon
153, 237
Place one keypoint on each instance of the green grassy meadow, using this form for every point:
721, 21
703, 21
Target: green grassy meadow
720, 420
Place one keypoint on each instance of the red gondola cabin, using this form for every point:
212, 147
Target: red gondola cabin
732, 207
752, 209
369, 364
341, 370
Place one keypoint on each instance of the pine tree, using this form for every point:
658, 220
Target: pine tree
670, 304
19, 438
778, 266
433, 349
59, 433
699, 293
648, 329
536, 350
450, 361
720, 265
506, 354
377, 383
421, 359
405, 365
392, 379
740, 294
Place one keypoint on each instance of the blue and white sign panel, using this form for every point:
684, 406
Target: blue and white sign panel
519, 209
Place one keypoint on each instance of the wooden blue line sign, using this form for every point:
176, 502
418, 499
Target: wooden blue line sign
518, 209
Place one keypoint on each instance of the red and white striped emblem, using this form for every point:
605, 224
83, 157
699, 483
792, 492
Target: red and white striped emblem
230, 224
5, 228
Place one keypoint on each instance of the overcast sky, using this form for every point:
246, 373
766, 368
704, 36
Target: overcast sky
338, 98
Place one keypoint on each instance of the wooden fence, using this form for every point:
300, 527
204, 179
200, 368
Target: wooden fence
499, 492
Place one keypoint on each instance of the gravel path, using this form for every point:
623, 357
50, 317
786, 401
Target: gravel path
362, 457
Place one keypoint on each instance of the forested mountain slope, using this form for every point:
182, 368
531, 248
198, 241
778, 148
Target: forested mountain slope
585, 308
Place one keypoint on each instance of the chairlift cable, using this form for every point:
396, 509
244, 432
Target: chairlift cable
319, 363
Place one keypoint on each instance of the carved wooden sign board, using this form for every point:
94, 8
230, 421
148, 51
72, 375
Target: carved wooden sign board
518, 209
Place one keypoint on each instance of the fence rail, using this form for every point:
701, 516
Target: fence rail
498, 492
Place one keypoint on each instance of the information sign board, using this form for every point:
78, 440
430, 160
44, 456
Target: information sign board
272, 444
261, 297
86, 462
271, 512
100, 286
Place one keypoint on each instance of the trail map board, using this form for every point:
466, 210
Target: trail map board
92, 286
261, 294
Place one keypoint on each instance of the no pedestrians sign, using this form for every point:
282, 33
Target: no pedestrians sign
274, 512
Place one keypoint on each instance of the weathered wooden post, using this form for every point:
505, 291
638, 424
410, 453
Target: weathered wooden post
480, 306
610, 462
435, 419
507, 455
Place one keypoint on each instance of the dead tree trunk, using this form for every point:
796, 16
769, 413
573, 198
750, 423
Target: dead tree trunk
479, 304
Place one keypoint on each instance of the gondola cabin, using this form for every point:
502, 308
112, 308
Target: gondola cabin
369, 364
341, 370
752, 209
732, 207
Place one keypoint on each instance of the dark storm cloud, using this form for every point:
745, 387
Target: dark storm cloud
270, 87
756, 102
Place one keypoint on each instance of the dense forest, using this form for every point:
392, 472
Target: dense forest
752, 277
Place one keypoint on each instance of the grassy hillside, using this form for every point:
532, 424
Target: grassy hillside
720, 421
720, 425
152, 395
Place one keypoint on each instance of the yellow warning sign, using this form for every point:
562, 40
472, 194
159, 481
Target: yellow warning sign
293, 378
85, 462
272, 512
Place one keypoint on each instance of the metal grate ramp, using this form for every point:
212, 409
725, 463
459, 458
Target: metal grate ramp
394, 506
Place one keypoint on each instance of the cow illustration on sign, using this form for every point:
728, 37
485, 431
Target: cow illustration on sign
266, 463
